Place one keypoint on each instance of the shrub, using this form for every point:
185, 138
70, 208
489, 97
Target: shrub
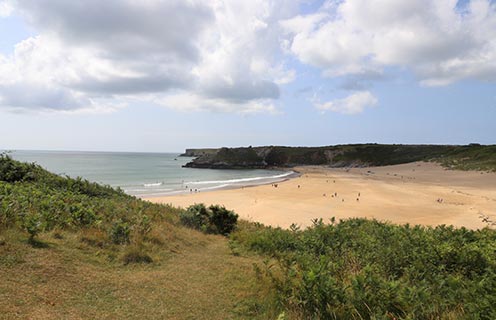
196, 216
119, 232
143, 225
222, 219
363, 269
214, 219
32, 224
37, 201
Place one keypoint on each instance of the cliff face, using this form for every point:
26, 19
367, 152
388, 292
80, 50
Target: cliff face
357, 155
198, 152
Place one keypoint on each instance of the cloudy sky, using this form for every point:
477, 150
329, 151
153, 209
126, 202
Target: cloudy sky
163, 75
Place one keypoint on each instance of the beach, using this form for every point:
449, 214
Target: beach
415, 193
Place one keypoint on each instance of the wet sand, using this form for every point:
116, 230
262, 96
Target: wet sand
415, 193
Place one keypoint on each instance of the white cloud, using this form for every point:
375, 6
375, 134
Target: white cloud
186, 101
222, 51
352, 104
5, 8
440, 41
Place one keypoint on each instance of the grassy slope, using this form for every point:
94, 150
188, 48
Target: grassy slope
73, 267
200, 279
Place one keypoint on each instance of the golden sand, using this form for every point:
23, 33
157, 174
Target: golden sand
415, 193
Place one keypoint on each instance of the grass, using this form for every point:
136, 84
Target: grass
194, 276
74, 249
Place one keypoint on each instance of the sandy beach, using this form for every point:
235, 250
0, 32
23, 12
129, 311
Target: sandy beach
415, 193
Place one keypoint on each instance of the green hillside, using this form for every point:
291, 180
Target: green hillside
470, 157
74, 249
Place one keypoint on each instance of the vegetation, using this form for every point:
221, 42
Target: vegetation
470, 157
362, 269
75, 249
70, 248
214, 219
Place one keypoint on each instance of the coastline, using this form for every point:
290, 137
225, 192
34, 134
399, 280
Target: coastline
233, 186
416, 193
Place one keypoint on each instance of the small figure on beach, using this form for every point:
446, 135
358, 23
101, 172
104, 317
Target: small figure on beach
298, 186
342, 200
358, 199
324, 195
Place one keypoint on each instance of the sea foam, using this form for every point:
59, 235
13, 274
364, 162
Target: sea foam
233, 181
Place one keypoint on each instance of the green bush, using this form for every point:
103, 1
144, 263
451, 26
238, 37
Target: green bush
32, 224
223, 221
120, 232
37, 201
363, 269
196, 217
214, 219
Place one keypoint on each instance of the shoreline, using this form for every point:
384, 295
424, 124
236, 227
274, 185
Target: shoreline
417, 193
294, 174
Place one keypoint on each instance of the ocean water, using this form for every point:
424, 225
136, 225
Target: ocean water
146, 174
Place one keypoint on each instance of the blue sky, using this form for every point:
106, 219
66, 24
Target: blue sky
119, 78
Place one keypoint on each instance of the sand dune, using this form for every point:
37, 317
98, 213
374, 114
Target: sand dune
416, 193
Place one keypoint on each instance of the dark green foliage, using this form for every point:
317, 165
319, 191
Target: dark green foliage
470, 157
362, 269
37, 201
214, 219
241, 156
223, 221
120, 232
196, 217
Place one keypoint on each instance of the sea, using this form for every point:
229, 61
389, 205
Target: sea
147, 174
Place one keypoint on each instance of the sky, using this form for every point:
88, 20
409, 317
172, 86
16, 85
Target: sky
165, 75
